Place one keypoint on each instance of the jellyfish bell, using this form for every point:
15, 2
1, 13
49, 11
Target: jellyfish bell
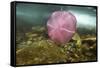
61, 26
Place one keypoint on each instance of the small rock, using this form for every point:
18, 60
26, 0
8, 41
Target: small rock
36, 59
29, 42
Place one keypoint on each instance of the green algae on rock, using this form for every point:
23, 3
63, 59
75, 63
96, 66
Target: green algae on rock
40, 53
37, 48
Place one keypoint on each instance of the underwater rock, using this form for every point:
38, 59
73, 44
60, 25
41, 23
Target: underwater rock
38, 29
29, 42
30, 34
61, 26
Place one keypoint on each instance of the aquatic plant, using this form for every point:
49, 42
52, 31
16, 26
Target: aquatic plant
37, 48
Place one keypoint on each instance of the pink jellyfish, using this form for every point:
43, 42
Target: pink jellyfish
61, 26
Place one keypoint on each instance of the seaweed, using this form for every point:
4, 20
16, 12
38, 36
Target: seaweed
37, 48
